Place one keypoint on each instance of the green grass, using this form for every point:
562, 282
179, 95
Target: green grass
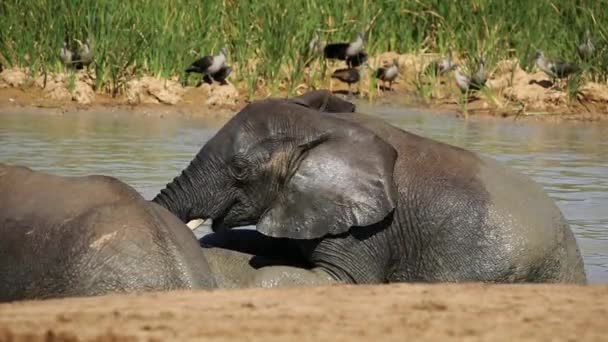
136, 37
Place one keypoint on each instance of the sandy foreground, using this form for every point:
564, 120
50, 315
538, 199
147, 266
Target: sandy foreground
464, 312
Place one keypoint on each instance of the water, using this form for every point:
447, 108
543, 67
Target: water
569, 160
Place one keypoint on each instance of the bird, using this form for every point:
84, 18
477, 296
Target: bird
440, 66
479, 78
65, 54
554, 68
85, 53
388, 73
462, 81
316, 45
351, 52
208, 65
356, 60
348, 76
586, 48
220, 76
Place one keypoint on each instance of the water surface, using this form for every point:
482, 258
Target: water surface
570, 159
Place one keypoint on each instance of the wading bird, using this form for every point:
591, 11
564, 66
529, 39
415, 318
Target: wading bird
554, 68
348, 76
65, 54
586, 48
208, 65
479, 78
440, 66
351, 52
85, 54
388, 73
462, 81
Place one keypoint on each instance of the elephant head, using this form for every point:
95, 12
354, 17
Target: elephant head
290, 169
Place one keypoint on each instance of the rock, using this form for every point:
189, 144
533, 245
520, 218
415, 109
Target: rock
14, 77
220, 95
595, 92
151, 90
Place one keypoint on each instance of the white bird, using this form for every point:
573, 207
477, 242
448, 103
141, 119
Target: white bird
208, 65
351, 52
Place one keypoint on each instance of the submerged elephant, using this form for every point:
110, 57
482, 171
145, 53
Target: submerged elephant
83, 236
366, 202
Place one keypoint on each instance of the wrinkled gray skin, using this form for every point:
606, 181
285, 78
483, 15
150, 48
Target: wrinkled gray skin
365, 202
84, 236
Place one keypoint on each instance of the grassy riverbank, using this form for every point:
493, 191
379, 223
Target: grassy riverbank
266, 40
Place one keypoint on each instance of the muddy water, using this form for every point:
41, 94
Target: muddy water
569, 160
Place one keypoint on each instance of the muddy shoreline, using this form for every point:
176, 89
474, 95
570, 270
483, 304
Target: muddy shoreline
471, 312
512, 93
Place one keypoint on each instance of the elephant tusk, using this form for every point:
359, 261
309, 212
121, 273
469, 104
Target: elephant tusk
194, 224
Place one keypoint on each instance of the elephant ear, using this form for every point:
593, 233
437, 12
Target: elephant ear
324, 101
340, 182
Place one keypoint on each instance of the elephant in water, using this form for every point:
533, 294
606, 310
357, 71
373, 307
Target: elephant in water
365, 202
83, 236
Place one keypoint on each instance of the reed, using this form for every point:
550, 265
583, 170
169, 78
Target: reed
265, 39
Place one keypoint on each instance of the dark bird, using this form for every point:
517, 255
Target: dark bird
348, 76
219, 77
586, 48
388, 73
479, 78
208, 65
554, 68
440, 66
351, 52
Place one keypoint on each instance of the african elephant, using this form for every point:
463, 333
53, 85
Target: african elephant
83, 236
366, 202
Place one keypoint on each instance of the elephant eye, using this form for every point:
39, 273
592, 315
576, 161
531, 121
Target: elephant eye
240, 168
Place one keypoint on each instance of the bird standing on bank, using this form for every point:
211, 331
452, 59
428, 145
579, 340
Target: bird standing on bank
554, 68
316, 45
388, 73
351, 52
441, 66
220, 76
65, 54
85, 54
586, 48
479, 78
348, 76
208, 65
462, 81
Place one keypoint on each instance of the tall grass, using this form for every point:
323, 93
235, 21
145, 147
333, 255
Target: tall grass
266, 39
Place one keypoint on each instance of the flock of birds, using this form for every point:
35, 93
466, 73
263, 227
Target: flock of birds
76, 58
214, 68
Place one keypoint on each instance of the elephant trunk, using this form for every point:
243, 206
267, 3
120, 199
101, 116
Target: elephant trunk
179, 196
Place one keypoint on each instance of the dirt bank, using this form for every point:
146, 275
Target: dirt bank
511, 92
470, 312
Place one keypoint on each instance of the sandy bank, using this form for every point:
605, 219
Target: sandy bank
399, 312
511, 92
